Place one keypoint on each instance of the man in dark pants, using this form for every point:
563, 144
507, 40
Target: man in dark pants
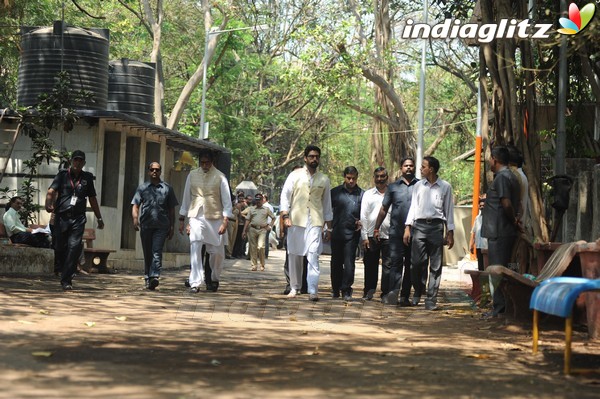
17, 232
396, 277
431, 212
153, 213
500, 222
67, 198
374, 248
345, 201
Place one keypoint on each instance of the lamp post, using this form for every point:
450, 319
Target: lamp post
203, 133
421, 120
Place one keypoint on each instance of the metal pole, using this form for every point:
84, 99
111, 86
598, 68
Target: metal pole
477, 169
421, 99
203, 132
561, 105
204, 70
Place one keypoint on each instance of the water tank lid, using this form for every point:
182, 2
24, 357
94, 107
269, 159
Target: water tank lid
101, 34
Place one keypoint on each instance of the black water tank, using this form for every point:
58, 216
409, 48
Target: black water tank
131, 88
83, 53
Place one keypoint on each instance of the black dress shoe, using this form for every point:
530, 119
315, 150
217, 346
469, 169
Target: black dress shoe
335, 294
187, 283
286, 291
405, 303
66, 286
213, 287
153, 283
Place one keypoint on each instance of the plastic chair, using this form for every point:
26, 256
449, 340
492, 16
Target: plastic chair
557, 296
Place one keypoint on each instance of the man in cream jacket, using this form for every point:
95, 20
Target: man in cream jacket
305, 208
207, 204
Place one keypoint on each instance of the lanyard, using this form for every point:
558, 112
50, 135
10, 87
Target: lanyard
71, 180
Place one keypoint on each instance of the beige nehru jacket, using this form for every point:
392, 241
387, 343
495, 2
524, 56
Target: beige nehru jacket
307, 198
205, 190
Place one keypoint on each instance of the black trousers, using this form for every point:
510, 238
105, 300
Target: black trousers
239, 248
39, 240
377, 250
397, 277
68, 246
343, 263
499, 253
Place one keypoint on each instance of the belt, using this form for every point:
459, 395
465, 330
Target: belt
430, 221
70, 215
258, 226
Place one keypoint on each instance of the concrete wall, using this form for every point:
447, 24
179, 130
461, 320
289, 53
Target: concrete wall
462, 234
581, 220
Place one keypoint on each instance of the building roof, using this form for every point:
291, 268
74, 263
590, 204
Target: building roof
121, 121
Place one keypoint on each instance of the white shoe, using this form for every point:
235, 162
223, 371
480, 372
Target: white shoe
292, 293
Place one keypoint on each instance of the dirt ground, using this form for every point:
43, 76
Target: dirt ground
109, 338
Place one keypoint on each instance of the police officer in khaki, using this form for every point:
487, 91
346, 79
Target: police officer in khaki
256, 227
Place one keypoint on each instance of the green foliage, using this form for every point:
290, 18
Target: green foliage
51, 113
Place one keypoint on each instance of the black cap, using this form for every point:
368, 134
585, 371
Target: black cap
78, 154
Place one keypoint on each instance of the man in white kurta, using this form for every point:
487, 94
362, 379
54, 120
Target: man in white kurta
305, 207
207, 204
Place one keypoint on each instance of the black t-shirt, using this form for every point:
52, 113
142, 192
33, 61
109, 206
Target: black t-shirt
346, 211
69, 186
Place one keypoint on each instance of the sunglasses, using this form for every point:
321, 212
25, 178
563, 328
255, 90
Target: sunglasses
154, 169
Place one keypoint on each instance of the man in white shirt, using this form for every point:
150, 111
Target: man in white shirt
430, 223
375, 249
305, 208
207, 204
16, 230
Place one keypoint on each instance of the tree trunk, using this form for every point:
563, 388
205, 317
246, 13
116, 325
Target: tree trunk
155, 57
197, 77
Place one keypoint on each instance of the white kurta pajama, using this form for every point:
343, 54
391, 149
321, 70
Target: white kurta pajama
305, 241
205, 231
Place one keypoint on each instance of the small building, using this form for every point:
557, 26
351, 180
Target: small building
118, 147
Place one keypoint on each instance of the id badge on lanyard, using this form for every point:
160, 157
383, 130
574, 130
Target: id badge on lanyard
74, 186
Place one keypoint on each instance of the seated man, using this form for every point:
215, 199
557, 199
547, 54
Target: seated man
17, 232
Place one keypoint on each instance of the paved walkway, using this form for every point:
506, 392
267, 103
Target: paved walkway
110, 338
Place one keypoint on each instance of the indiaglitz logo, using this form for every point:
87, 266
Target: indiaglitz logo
503, 29
577, 19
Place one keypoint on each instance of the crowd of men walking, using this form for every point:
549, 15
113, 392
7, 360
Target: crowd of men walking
403, 225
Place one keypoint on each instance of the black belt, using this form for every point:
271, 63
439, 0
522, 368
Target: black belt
430, 221
70, 215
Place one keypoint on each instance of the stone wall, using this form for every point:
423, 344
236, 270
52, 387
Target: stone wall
582, 219
25, 260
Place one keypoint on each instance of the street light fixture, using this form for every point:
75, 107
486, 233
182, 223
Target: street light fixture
204, 125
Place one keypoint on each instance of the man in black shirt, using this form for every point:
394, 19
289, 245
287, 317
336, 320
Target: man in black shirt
153, 213
398, 196
67, 198
345, 201
500, 222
